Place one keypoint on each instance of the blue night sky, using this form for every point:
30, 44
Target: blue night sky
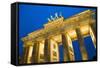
32, 17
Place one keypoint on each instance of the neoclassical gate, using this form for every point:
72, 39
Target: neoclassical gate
43, 45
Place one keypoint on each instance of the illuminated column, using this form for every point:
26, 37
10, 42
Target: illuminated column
30, 54
92, 29
41, 52
81, 44
51, 53
92, 34
71, 50
55, 51
27, 52
47, 50
36, 53
68, 48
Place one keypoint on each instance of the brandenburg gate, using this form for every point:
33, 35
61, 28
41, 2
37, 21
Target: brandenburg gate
42, 45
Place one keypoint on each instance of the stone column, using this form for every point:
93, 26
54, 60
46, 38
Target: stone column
51, 51
92, 34
35, 53
30, 54
47, 50
71, 49
68, 48
55, 51
26, 52
92, 29
81, 44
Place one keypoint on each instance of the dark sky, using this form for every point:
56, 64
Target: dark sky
32, 17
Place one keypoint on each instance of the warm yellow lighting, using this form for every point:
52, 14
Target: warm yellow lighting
30, 54
52, 36
93, 37
84, 30
72, 34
